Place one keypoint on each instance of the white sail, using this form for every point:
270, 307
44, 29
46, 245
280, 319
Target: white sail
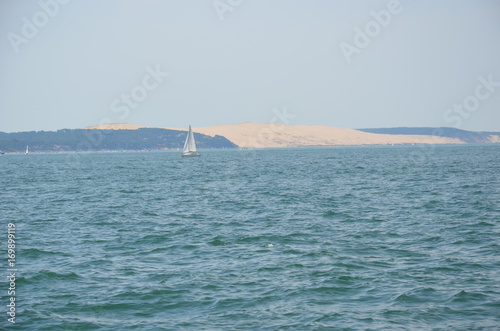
185, 149
190, 144
27, 150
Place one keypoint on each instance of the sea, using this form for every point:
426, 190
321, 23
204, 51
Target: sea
327, 238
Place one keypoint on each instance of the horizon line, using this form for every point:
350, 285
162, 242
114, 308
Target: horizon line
139, 126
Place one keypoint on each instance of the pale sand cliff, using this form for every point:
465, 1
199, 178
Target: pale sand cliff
494, 139
260, 135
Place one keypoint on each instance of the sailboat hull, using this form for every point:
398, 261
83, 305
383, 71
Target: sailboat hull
190, 154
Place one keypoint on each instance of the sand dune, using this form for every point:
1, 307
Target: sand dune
260, 135
495, 138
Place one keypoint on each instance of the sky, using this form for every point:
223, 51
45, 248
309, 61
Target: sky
171, 63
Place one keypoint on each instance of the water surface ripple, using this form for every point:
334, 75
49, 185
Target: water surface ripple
354, 238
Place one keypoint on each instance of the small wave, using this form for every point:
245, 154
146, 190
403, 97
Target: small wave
331, 214
251, 239
95, 263
109, 307
406, 298
218, 242
187, 247
432, 203
269, 269
38, 253
416, 296
48, 275
116, 206
330, 290
157, 250
166, 291
484, 224
464, 296
61, 200
149, 213
152, 239
128, 191
295, 266
45, 220
433, 239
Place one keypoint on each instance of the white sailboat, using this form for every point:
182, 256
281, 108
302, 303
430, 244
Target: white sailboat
27, 150
190, 145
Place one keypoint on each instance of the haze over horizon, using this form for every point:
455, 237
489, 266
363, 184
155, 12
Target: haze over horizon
349, 64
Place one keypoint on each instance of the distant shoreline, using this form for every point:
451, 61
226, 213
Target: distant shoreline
172, 151
249, 135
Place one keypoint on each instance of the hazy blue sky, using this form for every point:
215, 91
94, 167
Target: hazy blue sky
71, 64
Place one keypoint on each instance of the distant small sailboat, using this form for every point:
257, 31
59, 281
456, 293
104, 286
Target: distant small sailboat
27, 150
190, 145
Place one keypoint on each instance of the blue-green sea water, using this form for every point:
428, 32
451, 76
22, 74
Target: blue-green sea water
345, 238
